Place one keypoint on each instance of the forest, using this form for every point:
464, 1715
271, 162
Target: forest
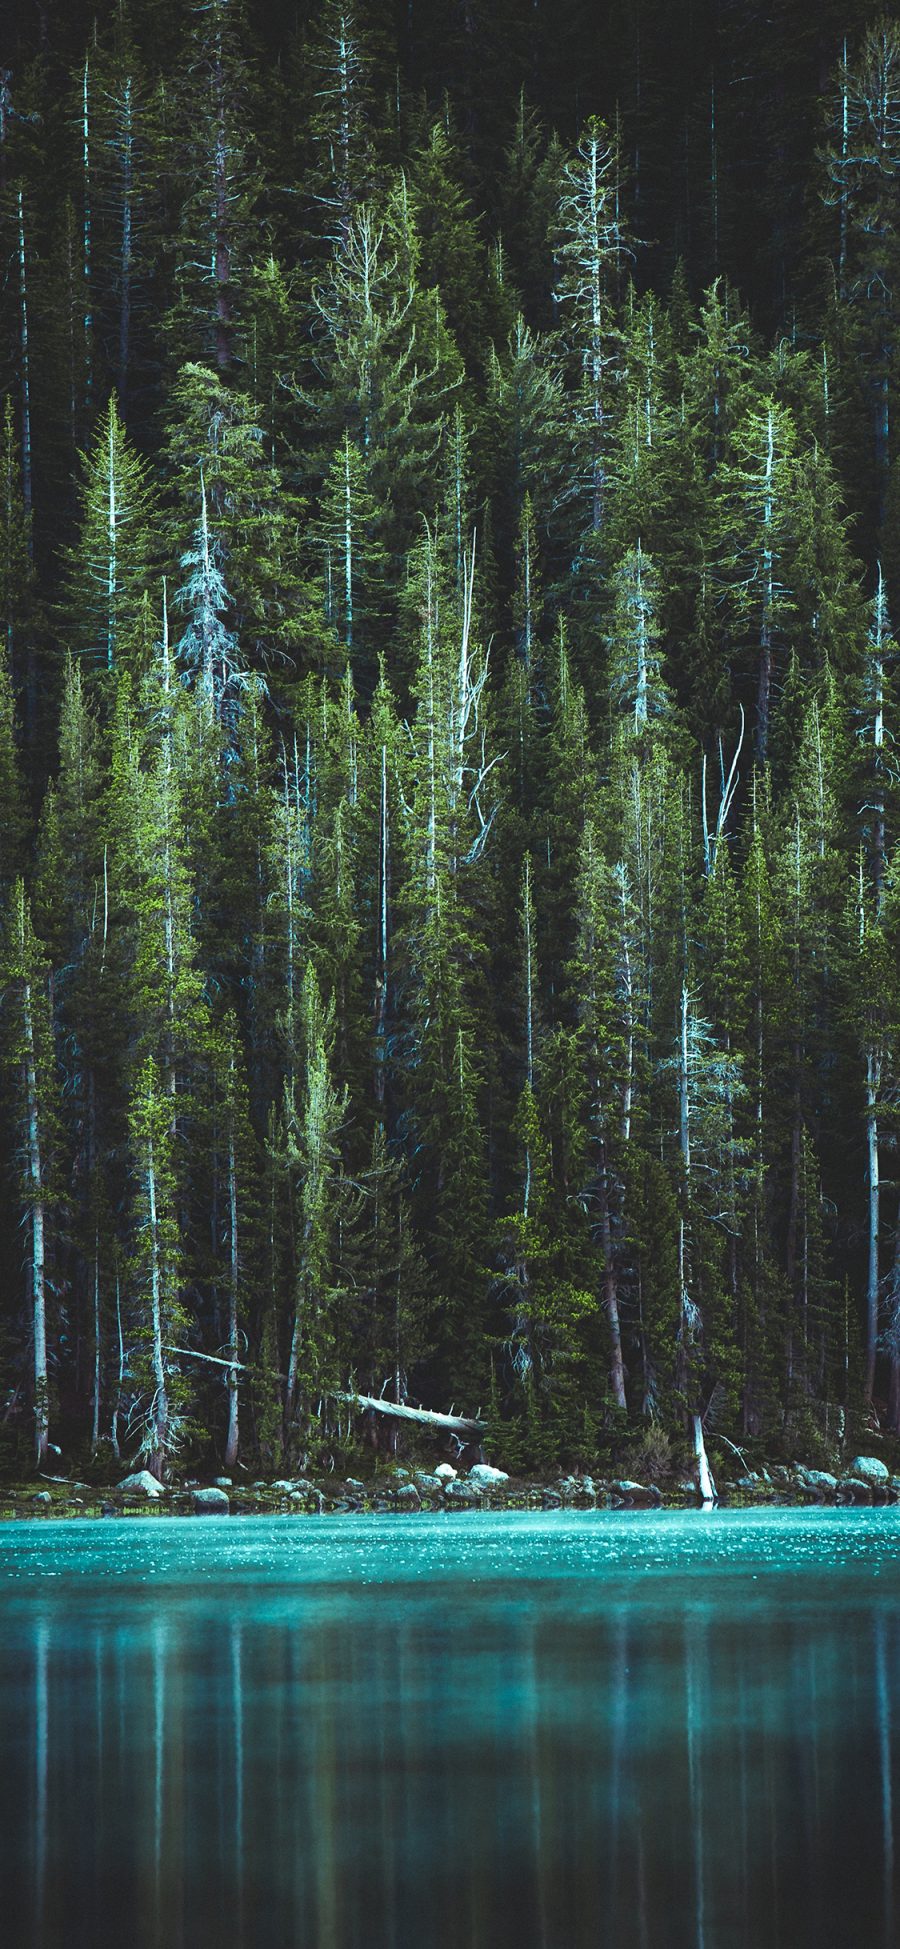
449, 714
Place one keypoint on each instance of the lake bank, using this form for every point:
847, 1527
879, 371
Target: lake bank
865, 1483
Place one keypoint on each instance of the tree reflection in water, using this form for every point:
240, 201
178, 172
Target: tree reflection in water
638, 1759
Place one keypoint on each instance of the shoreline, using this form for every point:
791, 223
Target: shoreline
412, 1492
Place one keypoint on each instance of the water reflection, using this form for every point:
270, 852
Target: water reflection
523, 1763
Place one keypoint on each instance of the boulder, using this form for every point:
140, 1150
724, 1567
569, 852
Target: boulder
870, 1469
819, 1481
408, 1496
460, 1494
551, 1499
638, 1495
446, 1471
484, 1477
853, 1489
142, 1483
586, 1485
359, 1488
211, 1502
223, 1481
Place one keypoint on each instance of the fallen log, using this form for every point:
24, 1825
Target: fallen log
454, 1424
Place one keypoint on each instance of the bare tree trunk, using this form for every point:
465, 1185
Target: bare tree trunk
25, 381
88, 321
95, 1418
611, 1291
381, 958
222, 241
120, 1378
705, 1481
232, 1438
160, 1409
873, 1078
38, 1215
125, 257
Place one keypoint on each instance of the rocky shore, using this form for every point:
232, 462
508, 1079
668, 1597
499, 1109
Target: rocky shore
866, 1481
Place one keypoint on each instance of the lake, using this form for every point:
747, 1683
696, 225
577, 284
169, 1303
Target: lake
612, 1729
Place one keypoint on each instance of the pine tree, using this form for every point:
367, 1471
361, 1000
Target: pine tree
110, 566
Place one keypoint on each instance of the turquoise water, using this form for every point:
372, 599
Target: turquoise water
373, 1733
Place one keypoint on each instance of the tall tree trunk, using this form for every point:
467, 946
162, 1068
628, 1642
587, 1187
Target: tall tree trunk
160, 1408
222, 252
232, 1437
873, 1079
126, 248
37, 1201
611, 1290
24, 373
95, 1392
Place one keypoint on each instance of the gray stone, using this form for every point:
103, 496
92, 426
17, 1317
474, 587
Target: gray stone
211, 1502
551, 1499
461, 1494
408, 1496
223, 1482
586, 1485
638, 1495
142, 1483
446, 1471
853, 1489
870, 1469
485, 1477
819, 1479
359, 1488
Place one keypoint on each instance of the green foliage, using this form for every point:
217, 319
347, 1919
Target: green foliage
448, 837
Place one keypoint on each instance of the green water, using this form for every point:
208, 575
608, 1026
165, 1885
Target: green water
449, 1731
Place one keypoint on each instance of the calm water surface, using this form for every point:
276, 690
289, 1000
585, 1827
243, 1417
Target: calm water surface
364, 1733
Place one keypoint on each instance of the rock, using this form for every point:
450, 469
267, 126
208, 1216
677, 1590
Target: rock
359, 1488
853, 1489
486, 1477
551, 1499
461, 1494
223, 1482
446, 1471
870, 1469
408, 1496
142, 1483
819, 1480
211, 1502
42, 1496
586, 1486
108, 1509
428, 1483
638, 1495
